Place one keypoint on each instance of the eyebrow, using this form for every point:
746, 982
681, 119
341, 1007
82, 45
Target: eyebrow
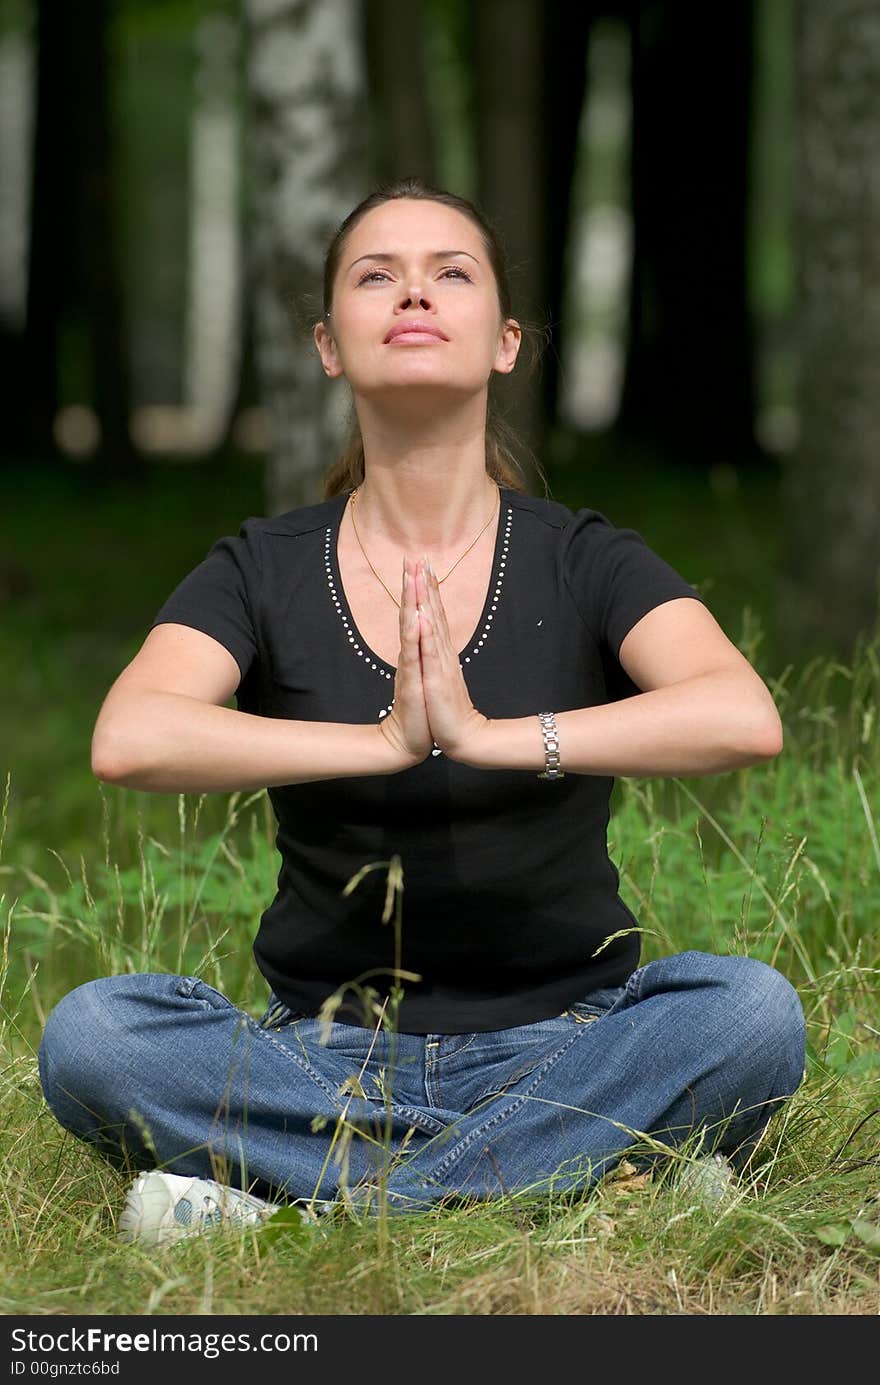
434, 255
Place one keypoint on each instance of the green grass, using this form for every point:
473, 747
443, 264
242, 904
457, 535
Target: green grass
780, 862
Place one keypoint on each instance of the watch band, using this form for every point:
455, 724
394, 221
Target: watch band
551, 768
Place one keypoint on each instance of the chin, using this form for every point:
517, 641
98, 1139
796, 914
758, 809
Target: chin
420, 391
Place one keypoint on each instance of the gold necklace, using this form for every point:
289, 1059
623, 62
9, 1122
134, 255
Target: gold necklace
352, 498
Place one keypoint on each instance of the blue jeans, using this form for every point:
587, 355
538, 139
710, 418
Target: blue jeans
163, 1070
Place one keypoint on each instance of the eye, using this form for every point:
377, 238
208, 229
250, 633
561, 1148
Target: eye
379, 274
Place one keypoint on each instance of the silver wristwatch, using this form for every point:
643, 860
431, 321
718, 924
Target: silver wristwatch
551, 768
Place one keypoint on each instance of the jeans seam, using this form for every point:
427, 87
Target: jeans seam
634, 985
186, 985
454, 1052
409, 1113
253, 1026
266, 1036
419, 1118
454, 1154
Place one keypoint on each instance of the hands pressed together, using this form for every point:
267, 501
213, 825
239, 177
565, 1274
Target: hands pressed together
431, 699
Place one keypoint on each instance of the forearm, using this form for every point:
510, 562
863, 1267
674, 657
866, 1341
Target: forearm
703, 725
165, 742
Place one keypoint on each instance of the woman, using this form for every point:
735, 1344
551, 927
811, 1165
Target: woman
430, 665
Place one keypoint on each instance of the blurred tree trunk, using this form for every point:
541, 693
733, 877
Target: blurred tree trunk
832, 480
34, 394
567, 29
215, 327
18, 79
103, 296
688, 388
509, 76
74, 298
308, 120
401, 140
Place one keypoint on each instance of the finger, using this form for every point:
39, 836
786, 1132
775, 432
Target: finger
420, 586
433, 644
428, 648
402, 614
409, 615
409, 585
408, 623
428, 623
436, 608
421, 595
423, 585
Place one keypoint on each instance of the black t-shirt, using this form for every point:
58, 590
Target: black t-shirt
508, 890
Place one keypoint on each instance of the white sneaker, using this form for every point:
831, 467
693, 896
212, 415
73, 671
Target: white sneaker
709, 1179
162, 1207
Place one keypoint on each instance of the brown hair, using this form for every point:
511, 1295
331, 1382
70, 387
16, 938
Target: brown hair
502, 443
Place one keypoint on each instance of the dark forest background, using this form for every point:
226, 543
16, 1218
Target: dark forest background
689, 198
689, 194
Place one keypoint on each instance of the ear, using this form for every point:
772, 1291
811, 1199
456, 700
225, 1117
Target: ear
326, 345
508, 347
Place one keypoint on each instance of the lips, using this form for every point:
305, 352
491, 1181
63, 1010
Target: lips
415, 328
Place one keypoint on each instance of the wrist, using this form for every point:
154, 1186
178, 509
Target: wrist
506, 743
474, 746
395, 756
550, 734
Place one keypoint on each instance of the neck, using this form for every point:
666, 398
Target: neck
425, 486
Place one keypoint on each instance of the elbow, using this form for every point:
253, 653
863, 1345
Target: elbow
105, 773
102, 750
107, 762
124, 750
766, 739
102, 768
759, 726
100, 762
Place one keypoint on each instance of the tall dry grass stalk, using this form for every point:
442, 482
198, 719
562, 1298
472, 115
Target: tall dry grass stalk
780, 863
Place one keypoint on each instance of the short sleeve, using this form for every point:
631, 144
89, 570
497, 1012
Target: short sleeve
615, 578
219, 597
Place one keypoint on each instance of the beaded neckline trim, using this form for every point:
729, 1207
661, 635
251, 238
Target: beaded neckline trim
371, 660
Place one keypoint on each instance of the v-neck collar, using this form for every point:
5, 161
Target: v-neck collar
483, 628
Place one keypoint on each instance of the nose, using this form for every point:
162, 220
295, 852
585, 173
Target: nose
415, 296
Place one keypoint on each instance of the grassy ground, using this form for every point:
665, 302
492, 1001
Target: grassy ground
780, 862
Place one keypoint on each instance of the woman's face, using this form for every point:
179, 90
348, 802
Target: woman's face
405, 265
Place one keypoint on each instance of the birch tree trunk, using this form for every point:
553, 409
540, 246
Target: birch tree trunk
308, 127
214, 327
832, 480
101, 252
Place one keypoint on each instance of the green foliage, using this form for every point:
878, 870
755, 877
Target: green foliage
779, 862
838, 1233
186, 909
